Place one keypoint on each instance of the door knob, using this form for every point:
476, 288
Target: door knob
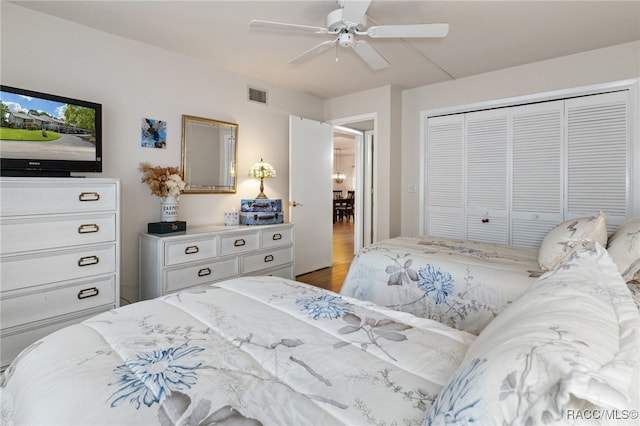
295, 204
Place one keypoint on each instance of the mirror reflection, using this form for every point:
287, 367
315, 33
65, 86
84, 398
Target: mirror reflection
209, 150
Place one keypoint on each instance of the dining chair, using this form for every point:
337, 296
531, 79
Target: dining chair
345, 208
351, 200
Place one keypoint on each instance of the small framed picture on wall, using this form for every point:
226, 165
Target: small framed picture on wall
154, 133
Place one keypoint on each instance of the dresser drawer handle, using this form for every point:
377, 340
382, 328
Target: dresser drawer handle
276, 237
239, 243
268, 258
89, 196
204, 272
88, 228
88, 292
88, 260
191, 250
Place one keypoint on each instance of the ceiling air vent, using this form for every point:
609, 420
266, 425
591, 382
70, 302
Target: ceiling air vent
257, 95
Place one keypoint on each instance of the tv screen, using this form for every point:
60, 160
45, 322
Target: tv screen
48, 135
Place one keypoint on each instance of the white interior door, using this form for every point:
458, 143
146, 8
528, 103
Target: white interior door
311, 199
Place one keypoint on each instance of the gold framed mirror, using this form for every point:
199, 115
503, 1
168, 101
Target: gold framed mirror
209, 155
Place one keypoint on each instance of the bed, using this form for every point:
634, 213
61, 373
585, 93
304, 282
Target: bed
466, 284
463, 284
266, 350
257, 349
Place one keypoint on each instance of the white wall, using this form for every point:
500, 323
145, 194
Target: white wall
387, 149
598, 66
134, 81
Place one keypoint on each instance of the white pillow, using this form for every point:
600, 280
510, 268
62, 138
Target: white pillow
568, 344
560, 242
624, 248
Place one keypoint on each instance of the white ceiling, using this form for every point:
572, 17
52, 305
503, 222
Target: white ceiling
483, 36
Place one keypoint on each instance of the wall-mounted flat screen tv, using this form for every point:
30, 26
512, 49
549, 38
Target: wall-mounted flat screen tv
48, 135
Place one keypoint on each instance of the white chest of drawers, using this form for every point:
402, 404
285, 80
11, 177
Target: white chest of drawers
200, 256
59, 255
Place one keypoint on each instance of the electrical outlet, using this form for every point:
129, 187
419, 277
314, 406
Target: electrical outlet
412, 188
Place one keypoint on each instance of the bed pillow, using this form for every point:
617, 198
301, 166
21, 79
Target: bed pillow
624, 248
568, 344
560, 242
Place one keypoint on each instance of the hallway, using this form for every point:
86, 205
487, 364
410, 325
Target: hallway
332, 278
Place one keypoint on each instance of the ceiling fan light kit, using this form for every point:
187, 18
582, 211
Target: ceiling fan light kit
350, 22
345, 39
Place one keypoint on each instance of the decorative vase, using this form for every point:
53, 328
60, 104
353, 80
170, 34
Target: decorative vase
169, 208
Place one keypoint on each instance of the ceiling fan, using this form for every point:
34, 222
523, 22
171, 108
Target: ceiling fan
349, 22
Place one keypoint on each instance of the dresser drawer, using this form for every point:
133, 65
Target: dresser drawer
266, 259
277, 237
216, 253
177, 252
203, 273
54, 266
17, 235
239, 243
38, 303
57, 196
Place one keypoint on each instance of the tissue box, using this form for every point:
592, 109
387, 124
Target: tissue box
261, 205
166, 227
231, 218
261, 218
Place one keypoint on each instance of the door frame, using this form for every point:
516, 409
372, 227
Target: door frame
364, 212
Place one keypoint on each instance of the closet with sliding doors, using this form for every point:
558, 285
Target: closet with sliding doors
509, 174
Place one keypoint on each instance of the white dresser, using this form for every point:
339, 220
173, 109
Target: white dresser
200, 256
59, 255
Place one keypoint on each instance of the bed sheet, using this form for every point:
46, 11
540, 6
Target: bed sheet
460, 283
253, 350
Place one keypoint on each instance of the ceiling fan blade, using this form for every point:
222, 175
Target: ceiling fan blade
408, 31
354, 10
370, 55
256, 23
316, 50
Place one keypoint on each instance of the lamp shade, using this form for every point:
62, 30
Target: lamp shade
260, 171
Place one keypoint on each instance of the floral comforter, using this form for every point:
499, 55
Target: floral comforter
254, 350
460, 283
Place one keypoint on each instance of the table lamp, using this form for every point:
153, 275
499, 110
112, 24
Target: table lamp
262, 170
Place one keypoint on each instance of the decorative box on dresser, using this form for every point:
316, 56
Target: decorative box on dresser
203, 255
59, 255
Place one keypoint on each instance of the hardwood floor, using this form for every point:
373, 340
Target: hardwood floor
332, 278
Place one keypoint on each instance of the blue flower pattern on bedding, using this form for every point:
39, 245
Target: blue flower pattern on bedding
324, 306
457, 402
440, 286
150, 377
462, 284
432, 279
232, 353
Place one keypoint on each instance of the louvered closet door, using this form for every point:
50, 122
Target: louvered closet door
487, 135
445, 176
536, 177
598, 156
